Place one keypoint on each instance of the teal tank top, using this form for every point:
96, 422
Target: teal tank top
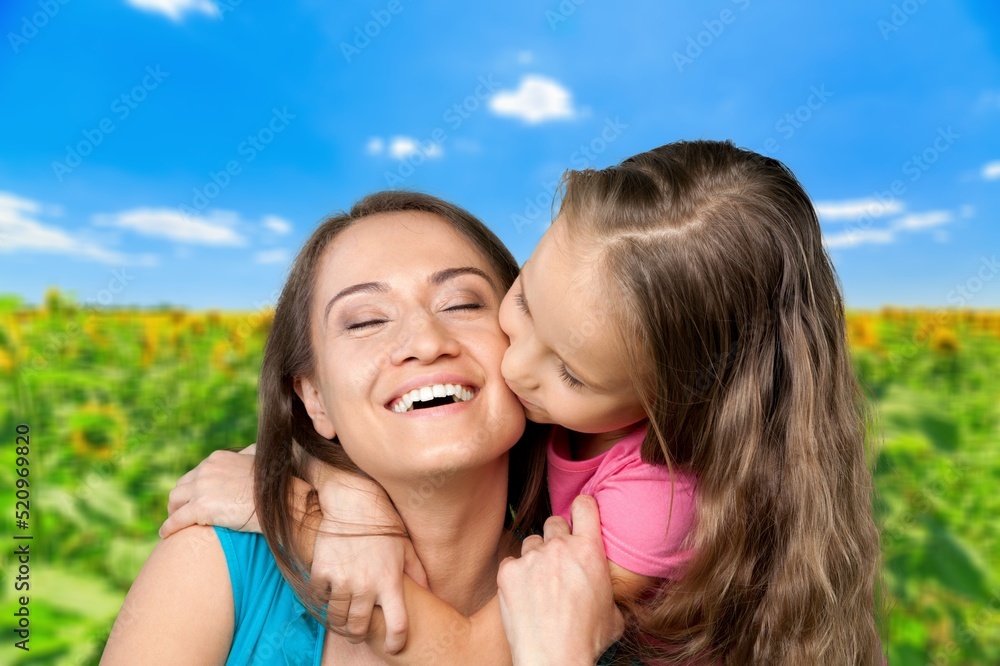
271, 625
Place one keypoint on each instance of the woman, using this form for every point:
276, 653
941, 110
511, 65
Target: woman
400, 293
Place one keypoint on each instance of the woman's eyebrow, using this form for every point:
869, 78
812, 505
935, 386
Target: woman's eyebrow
369, 287
451, 273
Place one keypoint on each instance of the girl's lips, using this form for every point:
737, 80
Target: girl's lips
527, 403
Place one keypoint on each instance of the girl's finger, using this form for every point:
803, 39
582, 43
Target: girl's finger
190, 475
176, 521
396, 622
338, 610
555, 525
178, 497
530, 543
358, 617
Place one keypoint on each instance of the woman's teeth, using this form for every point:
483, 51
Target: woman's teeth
456, 392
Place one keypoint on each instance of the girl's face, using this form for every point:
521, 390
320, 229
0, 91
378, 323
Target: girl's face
565, 361
408, 350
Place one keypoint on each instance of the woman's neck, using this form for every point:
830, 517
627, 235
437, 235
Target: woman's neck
455, 521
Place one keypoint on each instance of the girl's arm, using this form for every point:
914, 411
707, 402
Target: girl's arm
180, 607
361, 570
555, 605
365, 570
362, 554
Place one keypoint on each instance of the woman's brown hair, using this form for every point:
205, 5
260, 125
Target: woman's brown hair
725, 295
288, 354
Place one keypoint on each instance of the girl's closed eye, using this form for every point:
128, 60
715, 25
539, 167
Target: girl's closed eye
568, 378
521, 305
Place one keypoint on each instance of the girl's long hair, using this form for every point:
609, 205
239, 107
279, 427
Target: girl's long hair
283, 420
728, 301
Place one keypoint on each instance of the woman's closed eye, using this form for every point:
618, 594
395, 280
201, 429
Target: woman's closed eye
465, 306
368, 323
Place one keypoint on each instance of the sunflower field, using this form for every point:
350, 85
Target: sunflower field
119, 403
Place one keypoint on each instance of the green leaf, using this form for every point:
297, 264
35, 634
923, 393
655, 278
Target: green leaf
948, 561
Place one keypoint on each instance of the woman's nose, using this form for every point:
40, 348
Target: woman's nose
424, 339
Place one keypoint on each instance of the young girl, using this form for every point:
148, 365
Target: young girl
683, 329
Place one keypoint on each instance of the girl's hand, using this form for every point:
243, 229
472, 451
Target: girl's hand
219, 491
556, 601
361, 571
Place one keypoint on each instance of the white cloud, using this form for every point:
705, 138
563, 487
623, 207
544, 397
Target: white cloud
21, 231
276, 224
402, 147
464, 145
536, 100
989, 100
853, 237
858, 237
852, 209
915, 221
279, 256
991, 170
175, 9
215, 229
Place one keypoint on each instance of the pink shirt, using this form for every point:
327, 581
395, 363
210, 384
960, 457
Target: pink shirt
642, 531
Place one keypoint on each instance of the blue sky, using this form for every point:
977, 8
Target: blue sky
180, 151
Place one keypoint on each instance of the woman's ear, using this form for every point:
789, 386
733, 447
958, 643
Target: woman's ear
313, 400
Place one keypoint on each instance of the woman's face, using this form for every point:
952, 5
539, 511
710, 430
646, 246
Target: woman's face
408, 350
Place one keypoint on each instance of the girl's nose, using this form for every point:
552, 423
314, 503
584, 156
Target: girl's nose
517, 368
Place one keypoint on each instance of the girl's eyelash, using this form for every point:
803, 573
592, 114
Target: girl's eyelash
568, 378
519, 301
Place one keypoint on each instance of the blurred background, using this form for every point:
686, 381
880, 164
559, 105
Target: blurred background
163, 160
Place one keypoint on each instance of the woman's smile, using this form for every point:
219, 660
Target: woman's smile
430, 394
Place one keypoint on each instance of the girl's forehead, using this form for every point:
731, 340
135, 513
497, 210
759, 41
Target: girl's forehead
573, 314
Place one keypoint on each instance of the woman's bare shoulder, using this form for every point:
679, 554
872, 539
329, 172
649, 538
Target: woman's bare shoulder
179, 610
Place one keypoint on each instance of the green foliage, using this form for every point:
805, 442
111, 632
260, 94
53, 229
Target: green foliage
122, 403
936, 473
